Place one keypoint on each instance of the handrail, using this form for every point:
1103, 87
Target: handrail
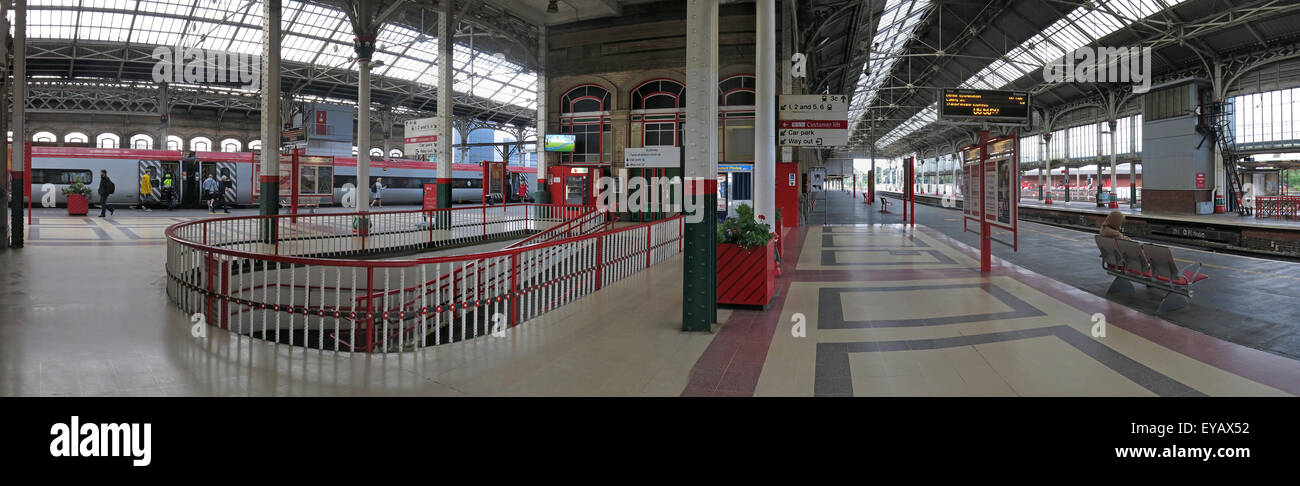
394, 305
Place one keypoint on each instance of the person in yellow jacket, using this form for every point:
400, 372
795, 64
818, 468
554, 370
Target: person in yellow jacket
146, 192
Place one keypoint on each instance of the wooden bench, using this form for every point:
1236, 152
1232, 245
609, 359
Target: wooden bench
1150, 265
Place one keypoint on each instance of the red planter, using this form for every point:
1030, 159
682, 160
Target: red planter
78, 205
746, 277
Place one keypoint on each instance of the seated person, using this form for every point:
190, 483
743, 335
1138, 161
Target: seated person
1112, 226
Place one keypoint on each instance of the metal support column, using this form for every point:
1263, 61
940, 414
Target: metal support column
269, 178
365, 48
764, 178
541, 195
446, 83
17, 175
699, 273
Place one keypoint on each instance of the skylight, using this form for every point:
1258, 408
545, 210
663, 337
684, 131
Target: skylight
1080, 27
313, 34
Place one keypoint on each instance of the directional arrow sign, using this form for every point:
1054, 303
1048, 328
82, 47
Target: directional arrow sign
814, 120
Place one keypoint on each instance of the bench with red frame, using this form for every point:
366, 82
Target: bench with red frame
884, 205
1150, 265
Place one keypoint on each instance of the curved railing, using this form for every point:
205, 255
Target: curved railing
304, 280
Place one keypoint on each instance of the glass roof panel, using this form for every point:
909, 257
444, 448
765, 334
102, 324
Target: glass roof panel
897, 23
312, 33
1079, 28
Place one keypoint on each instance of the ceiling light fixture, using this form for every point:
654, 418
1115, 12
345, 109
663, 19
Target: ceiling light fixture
552, 7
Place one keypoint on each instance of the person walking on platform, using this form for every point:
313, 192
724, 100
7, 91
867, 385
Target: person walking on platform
210, 188
106, 189
379, 194
169, 191
221, 193
1112, 226
146, 192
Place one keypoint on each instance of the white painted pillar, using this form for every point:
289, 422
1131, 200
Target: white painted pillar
543, 102
270, 174
764, 180
363, 135
446, 84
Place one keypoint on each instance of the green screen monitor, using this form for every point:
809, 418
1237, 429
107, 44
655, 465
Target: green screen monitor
560, 143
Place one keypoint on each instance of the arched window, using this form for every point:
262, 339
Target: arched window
174, 142
395, 153
231, 145
76, 138
354, 150
44, 137
107, 140
201, 144
736, 118
141, 141
658, 110
584, 113
255, 145
377, 152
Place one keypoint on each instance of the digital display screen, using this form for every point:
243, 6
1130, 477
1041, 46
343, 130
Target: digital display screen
560, 143
997, 106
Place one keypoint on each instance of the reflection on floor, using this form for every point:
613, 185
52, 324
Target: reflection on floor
883, 310
892, 310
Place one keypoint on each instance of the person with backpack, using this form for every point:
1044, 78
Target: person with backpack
379, 195
222, 189
106, 188
169, 191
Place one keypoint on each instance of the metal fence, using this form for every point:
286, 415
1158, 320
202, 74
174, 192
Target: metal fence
294, 289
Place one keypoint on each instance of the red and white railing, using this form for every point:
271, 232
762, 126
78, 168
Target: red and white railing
287, 289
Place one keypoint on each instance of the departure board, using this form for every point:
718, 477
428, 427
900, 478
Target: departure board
984, 105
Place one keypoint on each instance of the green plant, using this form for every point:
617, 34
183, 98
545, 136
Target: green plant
743, 230
77, 188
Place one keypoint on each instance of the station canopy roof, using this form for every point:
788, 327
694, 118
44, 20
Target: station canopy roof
913, 48
317, 34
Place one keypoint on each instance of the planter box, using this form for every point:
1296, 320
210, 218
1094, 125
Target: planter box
78, 205
746, 277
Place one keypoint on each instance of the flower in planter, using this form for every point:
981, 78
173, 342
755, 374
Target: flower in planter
743, 230
77, 188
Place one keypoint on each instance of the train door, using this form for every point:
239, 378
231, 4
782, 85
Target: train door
190, 188
156, 170
218, 169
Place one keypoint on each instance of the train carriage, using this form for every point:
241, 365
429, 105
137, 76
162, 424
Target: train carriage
55, 168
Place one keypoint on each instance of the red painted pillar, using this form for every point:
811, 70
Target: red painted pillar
986, 246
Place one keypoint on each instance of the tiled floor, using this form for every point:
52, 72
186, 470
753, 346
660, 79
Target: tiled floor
94, 320
862, 310
891, 310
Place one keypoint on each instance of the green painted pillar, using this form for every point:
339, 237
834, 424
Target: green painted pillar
700, 169
700, 263
443, 220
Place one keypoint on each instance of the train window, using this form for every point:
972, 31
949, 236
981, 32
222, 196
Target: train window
61, 176
315, 180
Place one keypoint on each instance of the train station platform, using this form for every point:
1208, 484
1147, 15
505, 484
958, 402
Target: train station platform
904, 311
887, 310
1269, 236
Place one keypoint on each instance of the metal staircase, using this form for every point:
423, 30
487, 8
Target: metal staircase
1216, 121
